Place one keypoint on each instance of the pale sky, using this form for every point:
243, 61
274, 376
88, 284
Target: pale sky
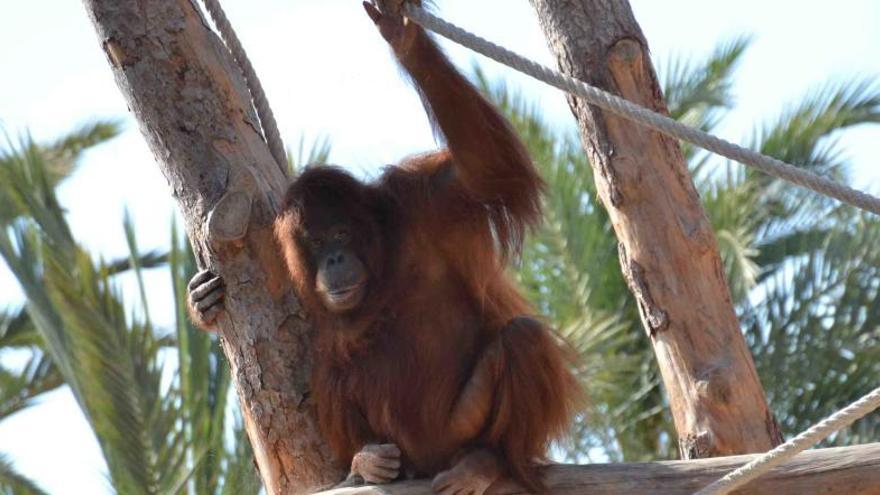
327, 73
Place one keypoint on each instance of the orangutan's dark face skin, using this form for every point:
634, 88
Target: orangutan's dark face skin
340, 275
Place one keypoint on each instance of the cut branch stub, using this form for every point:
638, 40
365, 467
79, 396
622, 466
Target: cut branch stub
228, 221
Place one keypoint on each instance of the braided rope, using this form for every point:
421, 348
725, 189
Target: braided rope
258, 97
642, 115
742, 475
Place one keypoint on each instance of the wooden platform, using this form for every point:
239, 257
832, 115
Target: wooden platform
841, 470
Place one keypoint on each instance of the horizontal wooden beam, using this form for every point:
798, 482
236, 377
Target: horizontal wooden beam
845, 470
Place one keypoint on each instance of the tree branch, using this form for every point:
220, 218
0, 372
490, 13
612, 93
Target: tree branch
192, 107
668, 252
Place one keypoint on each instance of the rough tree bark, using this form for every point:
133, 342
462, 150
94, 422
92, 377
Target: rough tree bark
668, 251
192, 106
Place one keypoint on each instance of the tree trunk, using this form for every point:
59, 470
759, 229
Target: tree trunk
845, 470
668, 251
192, 106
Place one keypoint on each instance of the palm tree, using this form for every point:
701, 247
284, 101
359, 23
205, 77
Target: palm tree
803, 271
156, 437
17, 330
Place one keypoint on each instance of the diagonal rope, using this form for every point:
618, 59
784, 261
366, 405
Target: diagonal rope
643, 116
258, 97
789, 449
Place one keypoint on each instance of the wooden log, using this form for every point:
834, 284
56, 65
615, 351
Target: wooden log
190, 101
668, 252
840, 470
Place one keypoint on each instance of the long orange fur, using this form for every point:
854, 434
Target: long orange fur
435, 233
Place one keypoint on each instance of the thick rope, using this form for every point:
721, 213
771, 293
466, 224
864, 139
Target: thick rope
789, 449
642, 115
258, 97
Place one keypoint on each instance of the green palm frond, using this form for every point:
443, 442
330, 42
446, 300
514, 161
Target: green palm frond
804, 135
796, 136
117, 374
697, 93
60, 159
774, 253
316, 152
156, 436
134, 259
761, 222
111, 364
19, 388
24, 182
19, 249
241, 474
62, 154
145, 261
815, 331
693, 89
17, 330
727, 201
13, 482
27, 187
737, 256
204, 379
